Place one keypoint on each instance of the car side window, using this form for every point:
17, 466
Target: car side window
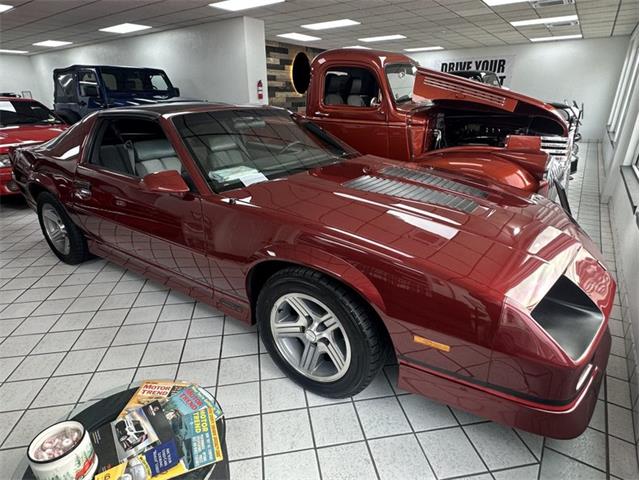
88, 83
133, 147
65, 88
350, 86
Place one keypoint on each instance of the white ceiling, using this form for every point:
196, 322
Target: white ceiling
447, 23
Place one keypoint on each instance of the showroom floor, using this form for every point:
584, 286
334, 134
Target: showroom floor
70, 334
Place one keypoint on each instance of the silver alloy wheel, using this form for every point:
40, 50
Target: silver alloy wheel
55, 229
310, 337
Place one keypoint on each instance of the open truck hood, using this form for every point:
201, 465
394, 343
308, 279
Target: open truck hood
434, 86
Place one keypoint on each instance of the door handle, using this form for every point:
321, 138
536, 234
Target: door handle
82, 189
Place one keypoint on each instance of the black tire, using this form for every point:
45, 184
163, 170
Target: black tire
78, 250
369, 343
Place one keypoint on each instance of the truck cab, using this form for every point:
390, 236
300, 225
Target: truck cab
82, 89
384, 103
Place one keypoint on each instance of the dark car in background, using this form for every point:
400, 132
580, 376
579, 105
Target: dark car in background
82, 89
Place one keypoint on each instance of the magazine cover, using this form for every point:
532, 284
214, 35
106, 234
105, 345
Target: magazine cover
196, 437
152, 390
192, 399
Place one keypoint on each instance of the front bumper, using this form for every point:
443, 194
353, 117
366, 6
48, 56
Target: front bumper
551, 420
7, 184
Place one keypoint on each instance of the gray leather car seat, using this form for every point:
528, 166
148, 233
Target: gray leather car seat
225, 151
155, 156
355, 98
332, 88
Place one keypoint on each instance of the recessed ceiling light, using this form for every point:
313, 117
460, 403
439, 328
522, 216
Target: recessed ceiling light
345, 22
125, 28
382, 38
299, 36
423, 49
4, 50
361, 47
236, 5
497, 3
4, 8
52, 43
545, 21
559, 37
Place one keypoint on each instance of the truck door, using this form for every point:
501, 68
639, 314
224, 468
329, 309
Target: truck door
89, 96
65, 95
349, 106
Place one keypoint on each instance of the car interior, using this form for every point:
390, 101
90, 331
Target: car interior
355, 87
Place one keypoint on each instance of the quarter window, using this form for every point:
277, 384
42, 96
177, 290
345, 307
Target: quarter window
355, 87
65, 88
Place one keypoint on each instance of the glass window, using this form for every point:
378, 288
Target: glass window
355, 87
88, 83
21, 112
118, 79
65, 88
401, 78
236, 148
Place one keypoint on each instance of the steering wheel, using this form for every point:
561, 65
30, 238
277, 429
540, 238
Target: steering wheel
288, 146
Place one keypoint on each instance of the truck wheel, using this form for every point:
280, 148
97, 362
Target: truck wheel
319, 333
64, 238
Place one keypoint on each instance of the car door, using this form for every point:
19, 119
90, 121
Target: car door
89, 94
163, 230
349, 106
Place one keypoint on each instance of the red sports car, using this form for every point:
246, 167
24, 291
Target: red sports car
494, 303
23, 122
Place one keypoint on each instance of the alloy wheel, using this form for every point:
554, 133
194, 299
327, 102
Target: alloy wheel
55, 229
310, 337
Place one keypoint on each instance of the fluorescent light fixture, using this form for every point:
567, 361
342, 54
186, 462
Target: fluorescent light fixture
382, 38
125, 28
4, 50
4, 8
497, 3
301, 37
423, 49
559, 37
236, 5
345, 22
359, 47
51, 43
545, 21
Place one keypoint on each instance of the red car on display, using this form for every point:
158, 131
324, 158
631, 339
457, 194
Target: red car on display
23, 121
494, 303
385, 104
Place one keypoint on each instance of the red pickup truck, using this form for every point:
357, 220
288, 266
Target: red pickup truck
384, 103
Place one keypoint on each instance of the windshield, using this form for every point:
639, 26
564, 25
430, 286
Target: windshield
236, 148
135, 80
401, 78
21, 112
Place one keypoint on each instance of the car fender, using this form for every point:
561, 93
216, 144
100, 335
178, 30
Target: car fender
322, 261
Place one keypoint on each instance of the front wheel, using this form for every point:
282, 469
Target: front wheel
64, 238
320, 333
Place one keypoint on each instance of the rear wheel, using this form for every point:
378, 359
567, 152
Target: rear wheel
64, 238
320, 333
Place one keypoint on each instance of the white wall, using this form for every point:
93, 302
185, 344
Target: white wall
584, 70
218, 61
16, 75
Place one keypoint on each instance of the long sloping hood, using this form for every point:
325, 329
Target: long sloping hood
458, 227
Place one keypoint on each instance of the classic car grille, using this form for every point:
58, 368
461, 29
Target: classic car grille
408, 191
470, 92
432, 180
555, 145
559, 163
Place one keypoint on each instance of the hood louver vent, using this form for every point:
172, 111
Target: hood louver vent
467, 92
433, 180
408, 191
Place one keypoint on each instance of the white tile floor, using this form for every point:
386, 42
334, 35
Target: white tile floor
69, 334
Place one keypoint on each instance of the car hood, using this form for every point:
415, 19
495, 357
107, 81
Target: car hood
23, 135
456, 226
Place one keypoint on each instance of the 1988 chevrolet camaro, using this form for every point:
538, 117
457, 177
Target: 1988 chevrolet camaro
492, 302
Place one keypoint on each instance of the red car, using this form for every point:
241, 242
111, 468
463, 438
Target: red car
494, 303
23, 121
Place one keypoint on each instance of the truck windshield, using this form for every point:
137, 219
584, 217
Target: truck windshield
239, 147
401, 77
135, 80
23, 112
